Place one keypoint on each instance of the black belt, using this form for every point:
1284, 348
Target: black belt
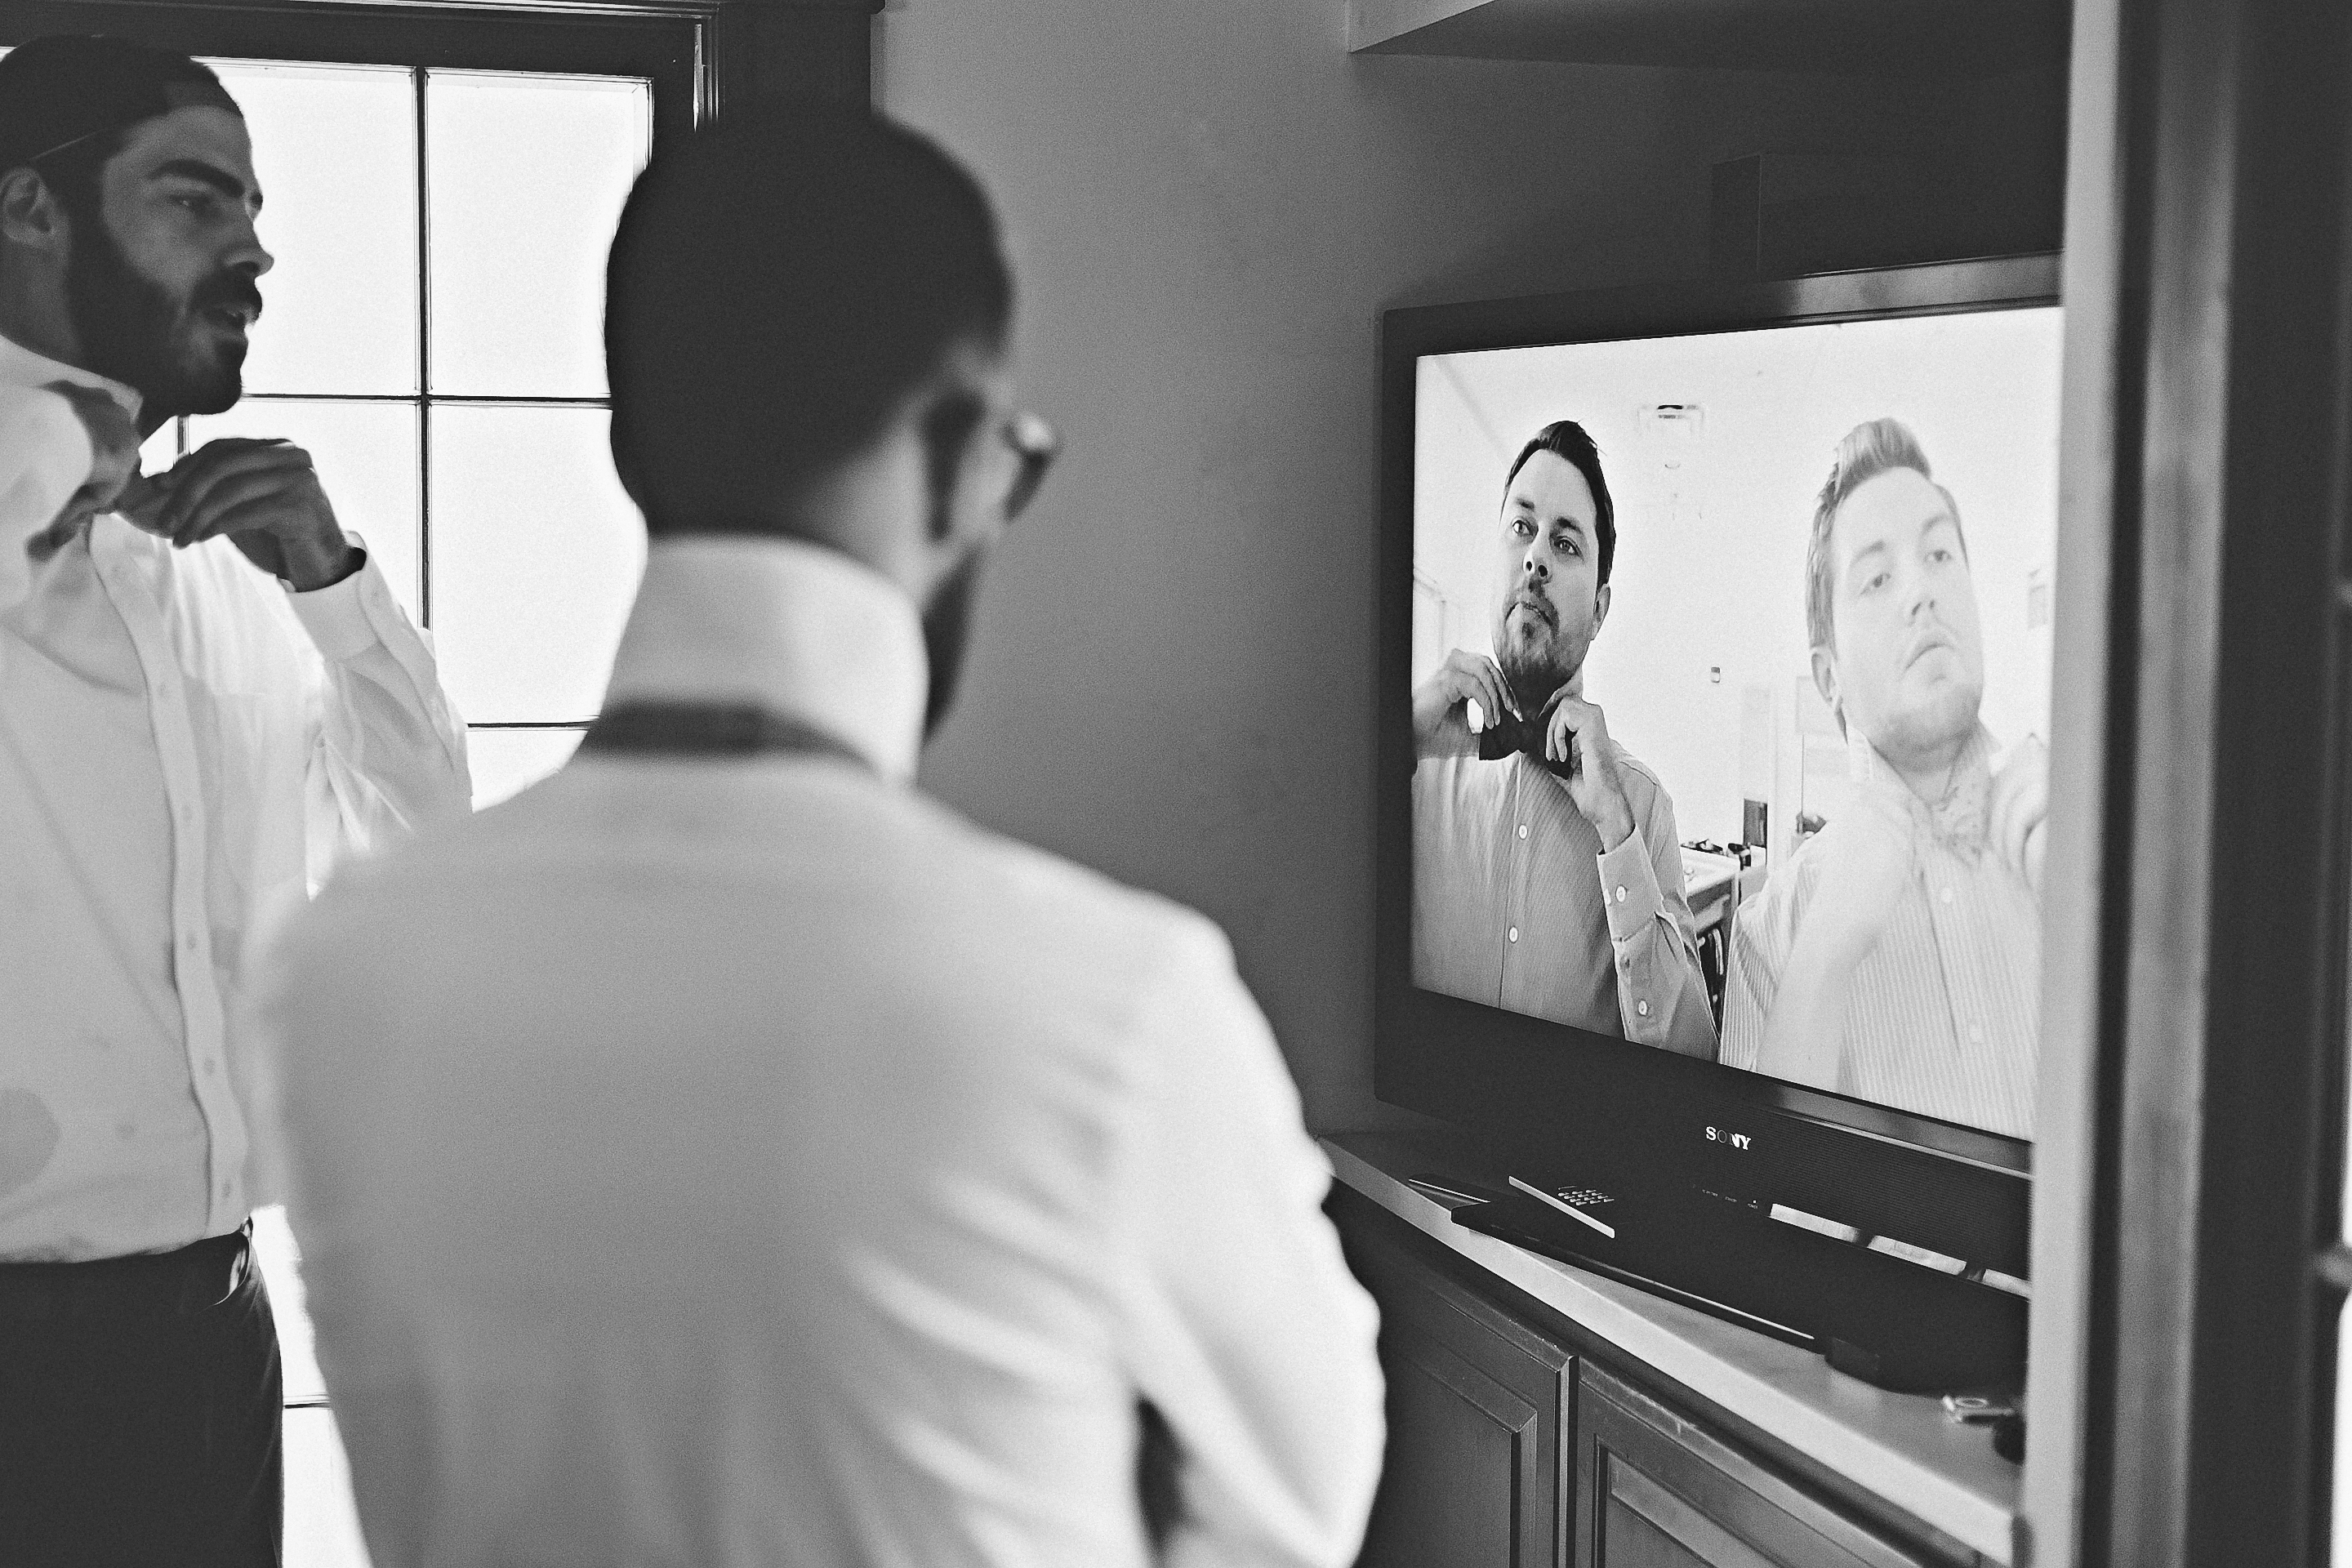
709, 729
183, 1282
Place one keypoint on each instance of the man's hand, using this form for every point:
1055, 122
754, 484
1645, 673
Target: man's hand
114, 465
2021, 802
1867, 854
265, 497
1866, 859
1577, 732
1439, 725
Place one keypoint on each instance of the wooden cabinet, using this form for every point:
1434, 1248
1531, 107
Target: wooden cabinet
1480, 1411
1510, 1447
1662, 1490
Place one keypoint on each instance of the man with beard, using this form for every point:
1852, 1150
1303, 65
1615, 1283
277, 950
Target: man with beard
721, 1153
206, 695
1547, 877
1896, 956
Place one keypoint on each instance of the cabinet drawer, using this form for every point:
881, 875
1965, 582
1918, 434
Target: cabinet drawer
1477, 1473
1661, 1491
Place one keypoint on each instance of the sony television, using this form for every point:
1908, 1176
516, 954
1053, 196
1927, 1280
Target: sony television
1715, 655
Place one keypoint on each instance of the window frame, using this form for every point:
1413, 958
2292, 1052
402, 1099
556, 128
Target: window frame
2189, 1268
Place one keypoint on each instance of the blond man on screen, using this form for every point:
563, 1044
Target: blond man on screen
1896, 955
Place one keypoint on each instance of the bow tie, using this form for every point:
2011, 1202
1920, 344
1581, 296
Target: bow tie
1505, 735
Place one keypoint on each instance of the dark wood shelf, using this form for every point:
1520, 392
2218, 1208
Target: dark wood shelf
1928, 39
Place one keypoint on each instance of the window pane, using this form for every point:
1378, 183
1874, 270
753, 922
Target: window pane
508, 761
335, 149
527, 175
2341, 1530
161, 451
322, 1528
536, 552
366, 456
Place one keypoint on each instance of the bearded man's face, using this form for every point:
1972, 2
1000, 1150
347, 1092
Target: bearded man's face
161, 288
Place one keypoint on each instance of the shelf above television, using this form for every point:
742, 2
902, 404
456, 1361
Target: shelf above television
1945, 38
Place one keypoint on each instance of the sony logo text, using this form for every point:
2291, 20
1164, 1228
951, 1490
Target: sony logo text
1737, 1139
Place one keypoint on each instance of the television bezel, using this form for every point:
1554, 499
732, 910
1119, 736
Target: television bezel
1560, 1103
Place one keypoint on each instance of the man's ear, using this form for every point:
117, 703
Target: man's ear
1825, 681
30, 213
1600, 606
949, 424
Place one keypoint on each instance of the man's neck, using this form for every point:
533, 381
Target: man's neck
1929, 770
33, 315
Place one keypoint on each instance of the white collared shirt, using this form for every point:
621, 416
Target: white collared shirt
1943, 1017
184, 746
749, 1162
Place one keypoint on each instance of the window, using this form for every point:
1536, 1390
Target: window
433, 337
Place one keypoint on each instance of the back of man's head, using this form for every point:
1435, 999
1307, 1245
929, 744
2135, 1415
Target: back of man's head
780, 284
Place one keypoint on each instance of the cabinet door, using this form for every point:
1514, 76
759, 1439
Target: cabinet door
1661, 1491
1479, 1405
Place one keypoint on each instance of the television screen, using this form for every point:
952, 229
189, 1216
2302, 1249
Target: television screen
1730, 677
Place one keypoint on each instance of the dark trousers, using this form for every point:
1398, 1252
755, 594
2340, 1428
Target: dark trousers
139, 1413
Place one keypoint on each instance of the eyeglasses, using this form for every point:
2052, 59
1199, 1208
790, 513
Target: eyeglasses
1037, 444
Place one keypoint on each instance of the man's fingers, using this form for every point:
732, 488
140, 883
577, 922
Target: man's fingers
1498, 691
228, 501
229, 520
191, 484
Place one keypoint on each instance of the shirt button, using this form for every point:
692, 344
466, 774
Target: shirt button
212, 1068
1642, 1008
189, 942
1620, 895
224, 1189
1512, 933
1523, 830
1948, 895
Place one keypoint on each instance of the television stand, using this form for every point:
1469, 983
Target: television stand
1882, 1319
1542, 1411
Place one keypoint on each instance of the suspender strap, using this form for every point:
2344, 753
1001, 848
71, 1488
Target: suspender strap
709, 729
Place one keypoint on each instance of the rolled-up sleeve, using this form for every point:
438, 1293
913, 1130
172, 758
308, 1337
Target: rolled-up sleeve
388, 755
1244, 1325
1661, 990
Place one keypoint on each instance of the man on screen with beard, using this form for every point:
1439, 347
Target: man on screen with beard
1896, 955
1547, 877
206, 694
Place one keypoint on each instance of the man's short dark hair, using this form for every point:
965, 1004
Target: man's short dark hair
69, 101
1567, 438
1879, 447
779, 284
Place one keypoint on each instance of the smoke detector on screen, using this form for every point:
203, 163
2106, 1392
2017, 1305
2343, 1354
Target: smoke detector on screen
1673, 422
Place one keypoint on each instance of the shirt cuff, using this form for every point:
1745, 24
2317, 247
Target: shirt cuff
1628, 888
336, 615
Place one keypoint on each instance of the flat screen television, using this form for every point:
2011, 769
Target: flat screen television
1715, 666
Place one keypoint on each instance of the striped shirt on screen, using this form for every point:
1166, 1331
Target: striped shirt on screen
1514, 904
1943, 1017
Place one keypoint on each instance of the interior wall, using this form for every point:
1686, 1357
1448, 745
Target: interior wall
1209, 204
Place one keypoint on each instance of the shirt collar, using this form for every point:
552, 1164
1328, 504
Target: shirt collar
798, 628
1960, 817
20, 366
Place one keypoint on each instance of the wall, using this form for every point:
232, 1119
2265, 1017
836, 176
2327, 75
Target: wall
1209, 204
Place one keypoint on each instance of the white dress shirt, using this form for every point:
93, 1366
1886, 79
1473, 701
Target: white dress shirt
184, 746
1943, 1017
1516, 904
739, 1161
